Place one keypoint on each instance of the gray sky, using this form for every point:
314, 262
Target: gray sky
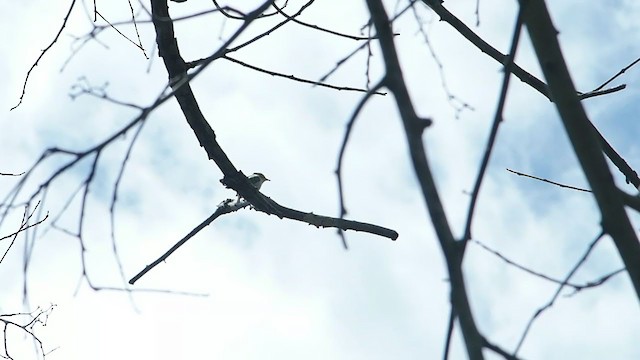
280, 289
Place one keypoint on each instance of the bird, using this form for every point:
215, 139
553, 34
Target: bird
257, 179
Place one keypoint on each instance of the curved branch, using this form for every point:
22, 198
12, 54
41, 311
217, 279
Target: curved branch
343, 147
493, 135
33, 66
234, 179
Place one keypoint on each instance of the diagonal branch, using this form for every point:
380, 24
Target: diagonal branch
295, 78
549, 181
234, 179
556, 294
414, 127
534, 82
224, 208
622, 71
584, 140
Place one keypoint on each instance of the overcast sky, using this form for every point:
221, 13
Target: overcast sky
282, 289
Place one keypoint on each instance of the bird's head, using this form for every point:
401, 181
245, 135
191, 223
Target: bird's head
256, 179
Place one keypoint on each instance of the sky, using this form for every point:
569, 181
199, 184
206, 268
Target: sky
274, 288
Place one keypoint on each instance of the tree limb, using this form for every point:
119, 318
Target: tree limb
414, 127
584, 140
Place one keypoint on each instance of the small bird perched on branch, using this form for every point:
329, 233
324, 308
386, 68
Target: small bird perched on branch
257, 179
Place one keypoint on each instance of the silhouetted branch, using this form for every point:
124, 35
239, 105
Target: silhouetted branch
548, 181
83, 87
498, 350
139, 44
24, 226
414, 127
64, 24
583, 138
553, 299
447, 341
622, 71
343, 147
26, 323
451, 98
316, 27
534, 82
225, 207
576, 287
494, 128
364, 45
602, 92
233, 178
294, 78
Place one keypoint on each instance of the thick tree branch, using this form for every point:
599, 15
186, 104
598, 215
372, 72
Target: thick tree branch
229, 206
234, 179
414, 126
265, 204
584, 140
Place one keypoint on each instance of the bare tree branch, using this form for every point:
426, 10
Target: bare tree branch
26, 323
537, 84
294, 78
576, 287
548, 181
343, 147
622, 71
233, 178
414, 128
316, 27
225, 207
26, 79
557, 293
494, 128
584, 140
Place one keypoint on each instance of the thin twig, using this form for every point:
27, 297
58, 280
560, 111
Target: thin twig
454, 101
528, 78
294, 78
498, 350
555, 296
114, 198
548, 181
345, 140
526, 269
316, 27
622, 71
449, 337
139, 46
64, 24
224, 208
367, 44
602, 92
